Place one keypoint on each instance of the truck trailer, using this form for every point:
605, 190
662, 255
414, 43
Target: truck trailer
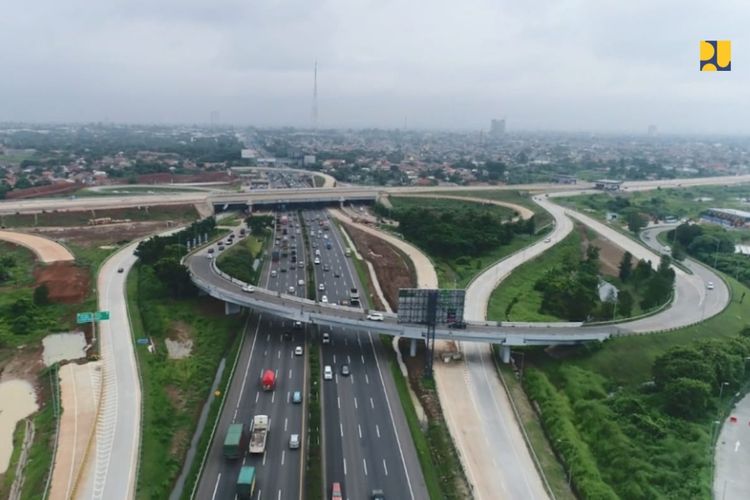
259, 434
246, 482
235, 442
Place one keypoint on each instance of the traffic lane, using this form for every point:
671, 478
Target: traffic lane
733, 454
333, 458
217, 470
345, 414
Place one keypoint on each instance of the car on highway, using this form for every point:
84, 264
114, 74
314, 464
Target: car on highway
375, 316
298, 351
326, 338
547, 240
297, 397
301, 283
336, 491
322, 287
324, 299
300, 265
327, 373
345, 370
317, 260
710, 285
326, 267
336, 274
120, 270
248, 288
221, 247
459, 325
297, 325
291, 289
377, 495
210, 250
294, 441
274, 273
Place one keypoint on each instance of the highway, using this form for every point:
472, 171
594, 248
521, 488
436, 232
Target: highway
367, 443
112, 463
265, 346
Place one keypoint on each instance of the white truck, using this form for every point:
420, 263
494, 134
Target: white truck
259, 434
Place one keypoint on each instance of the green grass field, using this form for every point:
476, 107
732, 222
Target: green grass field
406, 202
81, 218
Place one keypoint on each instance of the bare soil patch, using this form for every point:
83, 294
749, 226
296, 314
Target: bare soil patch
610, 255
25, 364
179, 341
67, 283
391, 267
110, 234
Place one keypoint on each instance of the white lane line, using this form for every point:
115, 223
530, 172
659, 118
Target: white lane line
345, 466
286, 420
278, 356
257, 395
348, 359
356, 406
372, 403
364, 463
268, 337
338, 402
334, 359
279, 496
216, 486
273, 396
359, 430
341, 429
352, 378
283, 455
385, 467
736, 446
264, 457
367, 379
290, 374
362, 356
377, 430
247, 368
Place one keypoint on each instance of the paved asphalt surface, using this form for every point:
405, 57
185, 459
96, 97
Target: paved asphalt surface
279, 469
367, 444
112, 463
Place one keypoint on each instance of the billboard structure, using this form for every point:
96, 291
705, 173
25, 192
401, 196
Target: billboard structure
430, 307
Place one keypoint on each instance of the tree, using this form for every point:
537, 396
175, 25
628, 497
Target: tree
682, 362
635, 220
625, 303
687, 398
626, 266
41, 295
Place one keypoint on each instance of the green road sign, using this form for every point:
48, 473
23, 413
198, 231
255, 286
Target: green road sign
86, 317
101, 315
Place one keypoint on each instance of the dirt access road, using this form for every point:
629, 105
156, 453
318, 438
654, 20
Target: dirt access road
46, 250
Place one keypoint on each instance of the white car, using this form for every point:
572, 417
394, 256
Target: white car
375, 316
274, 273
294, 441
301, 283
291, 290
547, 240
317, 260
327, 373
248, 288
321, 287
298, 350
710, 285
324, 299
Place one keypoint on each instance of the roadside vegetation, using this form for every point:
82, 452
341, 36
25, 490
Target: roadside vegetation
185, 337
541, 217
244, 259
634, 417
461, 237
314, 486
82, 218
562, 285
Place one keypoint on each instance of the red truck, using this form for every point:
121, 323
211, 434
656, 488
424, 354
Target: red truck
268, 380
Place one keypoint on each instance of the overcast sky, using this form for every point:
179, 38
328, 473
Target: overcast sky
579, 65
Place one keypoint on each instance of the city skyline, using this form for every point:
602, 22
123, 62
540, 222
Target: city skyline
544, 66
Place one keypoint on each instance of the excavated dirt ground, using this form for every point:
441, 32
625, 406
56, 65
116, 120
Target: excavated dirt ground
109, 234
610, 255
391, 267
67, 283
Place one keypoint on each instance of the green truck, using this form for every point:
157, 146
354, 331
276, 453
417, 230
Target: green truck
246, 482
235, 442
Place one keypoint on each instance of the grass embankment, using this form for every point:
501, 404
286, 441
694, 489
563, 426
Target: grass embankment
522, 198
82, 218
420, 438
617, 436
173, 389
213, 414
461, 237
238, 260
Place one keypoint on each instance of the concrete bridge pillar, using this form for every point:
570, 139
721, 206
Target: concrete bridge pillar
505, 354
413, 348
230, 308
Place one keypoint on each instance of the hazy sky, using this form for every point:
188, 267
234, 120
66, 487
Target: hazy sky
607, 65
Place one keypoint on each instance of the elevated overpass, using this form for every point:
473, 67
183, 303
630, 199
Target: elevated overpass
208, 278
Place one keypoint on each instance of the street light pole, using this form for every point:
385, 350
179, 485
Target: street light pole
721, 390
716, 253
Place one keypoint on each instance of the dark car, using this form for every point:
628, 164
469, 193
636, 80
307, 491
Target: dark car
459, 325
119, 270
